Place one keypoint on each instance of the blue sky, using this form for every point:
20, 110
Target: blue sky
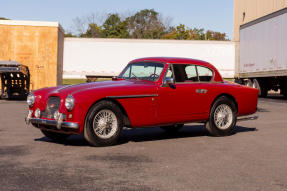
208, 14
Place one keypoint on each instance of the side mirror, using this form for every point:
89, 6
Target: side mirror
169, 82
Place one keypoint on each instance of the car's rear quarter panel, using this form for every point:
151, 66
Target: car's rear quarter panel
245, 97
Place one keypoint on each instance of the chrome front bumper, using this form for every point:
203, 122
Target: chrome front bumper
59, 123
54, 123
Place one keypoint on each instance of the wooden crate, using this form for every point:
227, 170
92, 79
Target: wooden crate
38, 45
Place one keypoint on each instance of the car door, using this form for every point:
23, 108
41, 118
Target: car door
179, 102
206, 90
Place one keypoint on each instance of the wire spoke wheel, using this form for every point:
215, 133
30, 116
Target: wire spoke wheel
223, 116
105, 124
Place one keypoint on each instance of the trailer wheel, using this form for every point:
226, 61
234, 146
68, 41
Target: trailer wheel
284, 92
249, 83
262, 89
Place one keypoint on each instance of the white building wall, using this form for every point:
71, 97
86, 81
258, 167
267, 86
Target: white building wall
84, 56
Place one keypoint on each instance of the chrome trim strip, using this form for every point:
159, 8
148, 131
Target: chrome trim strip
132, 96
53, 123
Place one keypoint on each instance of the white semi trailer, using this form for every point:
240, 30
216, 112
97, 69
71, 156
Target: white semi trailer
107, 57
263, 53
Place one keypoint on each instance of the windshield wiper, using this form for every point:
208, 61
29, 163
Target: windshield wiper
135, 76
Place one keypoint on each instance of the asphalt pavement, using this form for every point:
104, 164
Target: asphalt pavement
255, 158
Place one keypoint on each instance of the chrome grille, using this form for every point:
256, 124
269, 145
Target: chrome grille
53, 105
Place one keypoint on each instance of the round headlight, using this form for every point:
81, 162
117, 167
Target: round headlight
31, 99
69, 102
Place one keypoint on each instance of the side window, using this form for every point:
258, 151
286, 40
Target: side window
191, 73
169, 73
205, 74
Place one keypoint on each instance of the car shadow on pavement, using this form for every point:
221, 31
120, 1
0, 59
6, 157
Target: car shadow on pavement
155, 134
147, 134
73, 140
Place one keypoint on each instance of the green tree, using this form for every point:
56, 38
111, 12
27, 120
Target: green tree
197, 34
93, 31
3, 18
146, 24
170, 34
69, 35
182, 33
113, 27
211, 35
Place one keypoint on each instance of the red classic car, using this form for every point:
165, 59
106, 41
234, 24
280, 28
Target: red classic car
165, 92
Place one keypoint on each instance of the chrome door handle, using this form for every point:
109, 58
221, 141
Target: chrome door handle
201, 91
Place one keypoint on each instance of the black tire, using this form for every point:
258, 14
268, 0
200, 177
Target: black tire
172, 128
249, 83
211, 126
89, 132
58, 137
284, 92
264, 92
261, 88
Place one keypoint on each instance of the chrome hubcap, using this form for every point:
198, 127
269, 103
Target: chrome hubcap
223, 116
105, 124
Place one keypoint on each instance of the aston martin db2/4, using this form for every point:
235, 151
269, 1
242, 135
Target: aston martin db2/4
149, 92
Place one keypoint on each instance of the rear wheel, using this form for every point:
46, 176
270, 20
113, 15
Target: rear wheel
172, 128
104, 124
58, 137
222, 117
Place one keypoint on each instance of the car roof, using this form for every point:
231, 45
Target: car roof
178, 60
173, 60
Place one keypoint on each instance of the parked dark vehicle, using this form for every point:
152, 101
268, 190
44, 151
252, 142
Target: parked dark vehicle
15, 80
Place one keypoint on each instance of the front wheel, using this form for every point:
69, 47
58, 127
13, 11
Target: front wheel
103, 124
222, 117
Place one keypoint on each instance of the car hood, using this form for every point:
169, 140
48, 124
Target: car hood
74, 89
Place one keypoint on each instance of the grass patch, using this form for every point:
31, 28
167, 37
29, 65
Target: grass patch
73, 81
80, 81
228, 79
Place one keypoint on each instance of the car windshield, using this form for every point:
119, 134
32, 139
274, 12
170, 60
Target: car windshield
143, 71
